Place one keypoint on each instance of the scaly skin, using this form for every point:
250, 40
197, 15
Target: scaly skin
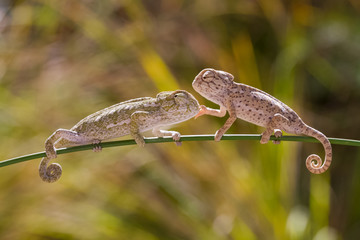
126, 118
258, 107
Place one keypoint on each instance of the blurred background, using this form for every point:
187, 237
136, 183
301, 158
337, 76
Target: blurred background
63, 60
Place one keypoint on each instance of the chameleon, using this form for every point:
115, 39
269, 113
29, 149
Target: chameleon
131, 117
257, 107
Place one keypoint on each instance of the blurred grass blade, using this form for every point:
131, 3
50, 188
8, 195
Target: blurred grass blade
157, 70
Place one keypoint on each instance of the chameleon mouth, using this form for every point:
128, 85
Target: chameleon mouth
196, 82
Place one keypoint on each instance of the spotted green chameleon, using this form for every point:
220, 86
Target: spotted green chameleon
126, 118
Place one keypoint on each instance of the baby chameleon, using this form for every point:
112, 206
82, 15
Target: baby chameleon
258, 107
129, 117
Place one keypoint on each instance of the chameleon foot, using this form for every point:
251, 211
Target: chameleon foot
97, 147
218, 136
140, 141
176, 137
162, 133
277, 134
264, 138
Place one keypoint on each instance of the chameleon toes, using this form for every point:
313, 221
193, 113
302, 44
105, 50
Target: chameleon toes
97, 148
176, 136
264, 139
277, 134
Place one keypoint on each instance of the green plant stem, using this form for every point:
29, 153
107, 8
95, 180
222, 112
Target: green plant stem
184, 138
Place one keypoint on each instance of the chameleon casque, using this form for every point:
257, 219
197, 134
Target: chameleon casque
126, 118
258, 107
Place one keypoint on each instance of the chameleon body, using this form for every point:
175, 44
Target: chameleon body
258, 107
126, 118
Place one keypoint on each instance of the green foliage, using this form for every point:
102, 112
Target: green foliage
62, 60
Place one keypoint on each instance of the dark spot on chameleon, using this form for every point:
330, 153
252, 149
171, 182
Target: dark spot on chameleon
246, 104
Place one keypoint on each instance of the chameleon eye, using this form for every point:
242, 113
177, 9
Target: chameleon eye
179, 95
180, 98
208, 74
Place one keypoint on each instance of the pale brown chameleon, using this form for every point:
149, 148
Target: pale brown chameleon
130, 117
258, 107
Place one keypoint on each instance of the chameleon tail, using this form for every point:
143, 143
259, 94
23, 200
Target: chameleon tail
313, 162
49, 173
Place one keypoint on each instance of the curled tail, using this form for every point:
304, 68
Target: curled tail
313, 162
49, 173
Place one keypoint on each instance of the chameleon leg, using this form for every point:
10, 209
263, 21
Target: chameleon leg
213, 112
137, 118
232, 112
161, 133
219, 113
276, 123
219, 133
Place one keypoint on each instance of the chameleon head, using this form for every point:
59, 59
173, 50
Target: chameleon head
212, 84
179, 105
